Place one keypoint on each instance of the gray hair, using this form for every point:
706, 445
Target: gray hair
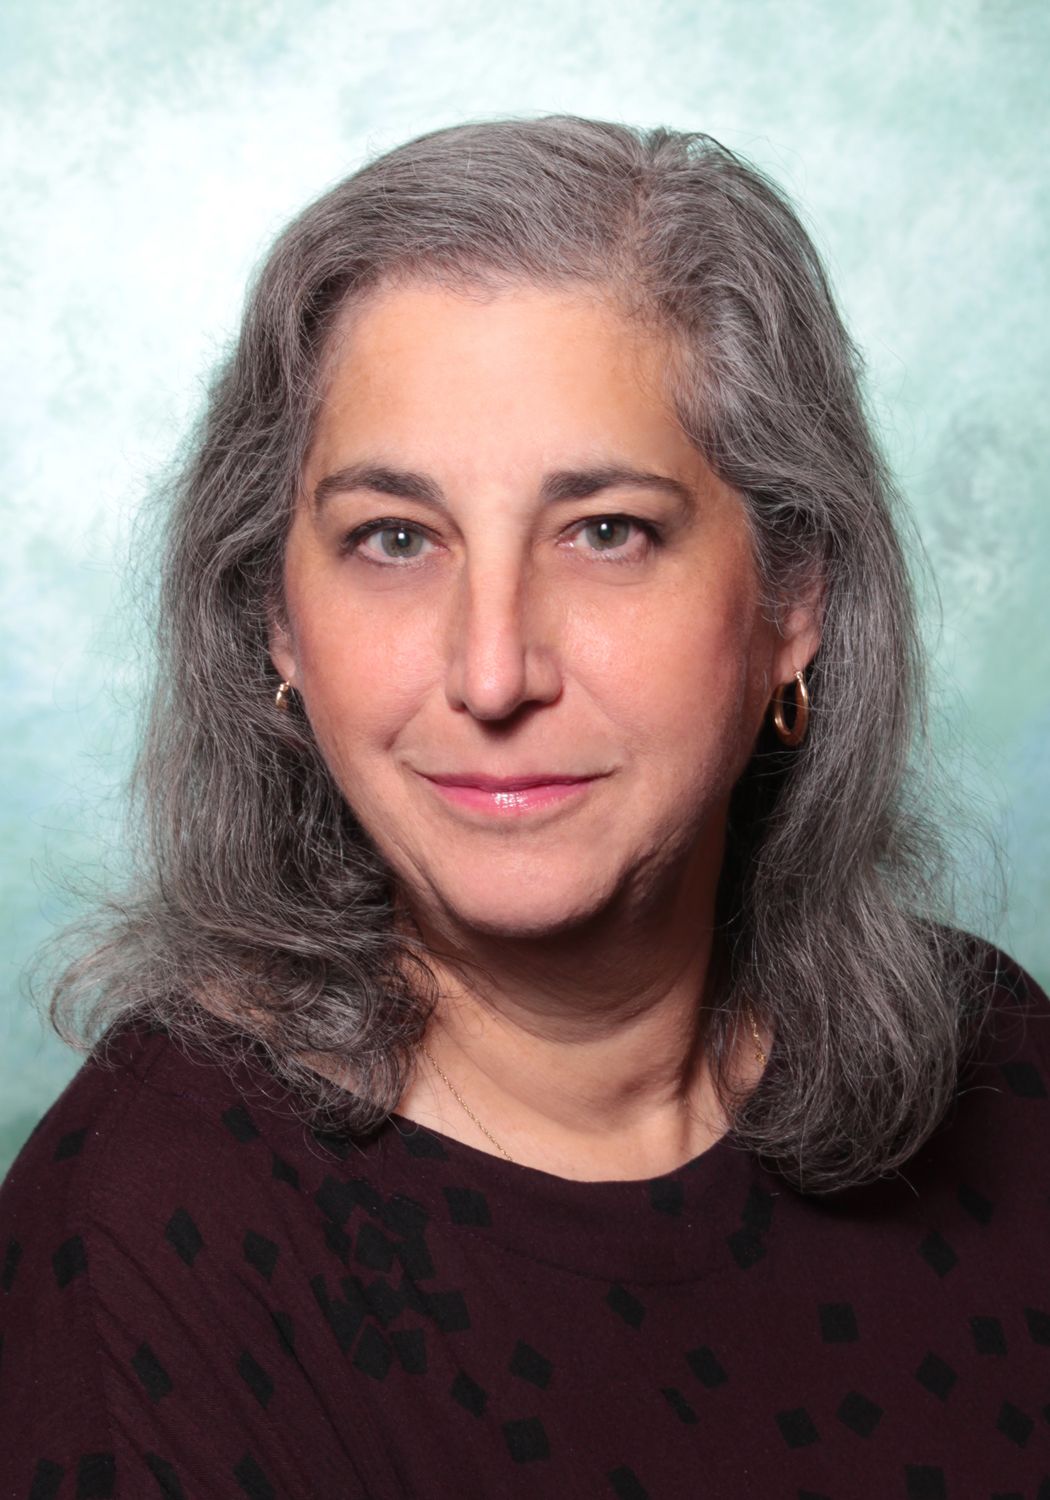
255, 882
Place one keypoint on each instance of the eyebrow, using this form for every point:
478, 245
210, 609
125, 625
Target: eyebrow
559, 485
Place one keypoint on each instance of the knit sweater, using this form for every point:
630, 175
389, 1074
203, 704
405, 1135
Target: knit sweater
201, 1298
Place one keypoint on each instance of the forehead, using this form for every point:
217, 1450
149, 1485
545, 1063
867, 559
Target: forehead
420, 361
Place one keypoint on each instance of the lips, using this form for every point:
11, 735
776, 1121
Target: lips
509, 797
506, 783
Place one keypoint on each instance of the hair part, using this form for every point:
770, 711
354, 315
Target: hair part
255, 885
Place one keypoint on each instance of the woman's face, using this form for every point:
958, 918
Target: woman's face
508, 562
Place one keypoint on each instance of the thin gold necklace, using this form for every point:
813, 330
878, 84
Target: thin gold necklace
759, 1055
464, 1103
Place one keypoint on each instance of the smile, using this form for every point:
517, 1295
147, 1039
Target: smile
510, 801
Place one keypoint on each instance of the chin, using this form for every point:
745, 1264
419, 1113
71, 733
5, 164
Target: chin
527, 910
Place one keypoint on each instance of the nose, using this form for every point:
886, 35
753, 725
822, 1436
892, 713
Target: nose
501, 652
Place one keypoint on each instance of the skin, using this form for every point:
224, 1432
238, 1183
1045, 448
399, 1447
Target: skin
505, 636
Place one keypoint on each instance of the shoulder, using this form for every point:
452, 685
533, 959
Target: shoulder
141, 1230
106, 1178
999, 1118
1013, 1035
139, 1115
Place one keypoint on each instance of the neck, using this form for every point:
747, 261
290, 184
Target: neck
581, 1054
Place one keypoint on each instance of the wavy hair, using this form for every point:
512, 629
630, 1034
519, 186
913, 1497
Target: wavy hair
254, 881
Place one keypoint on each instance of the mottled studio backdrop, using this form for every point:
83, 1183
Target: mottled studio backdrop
152, 150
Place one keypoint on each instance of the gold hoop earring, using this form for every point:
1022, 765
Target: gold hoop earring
797, 733
281, 697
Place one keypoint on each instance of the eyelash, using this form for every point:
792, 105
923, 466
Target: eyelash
352, 541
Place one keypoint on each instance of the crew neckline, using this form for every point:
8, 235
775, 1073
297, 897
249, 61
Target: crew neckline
454, 1146
709, 1212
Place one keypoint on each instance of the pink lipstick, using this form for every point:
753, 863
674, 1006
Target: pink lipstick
508, 796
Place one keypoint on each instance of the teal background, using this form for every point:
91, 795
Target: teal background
152, 151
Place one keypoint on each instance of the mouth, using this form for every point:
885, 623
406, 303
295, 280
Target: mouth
509, 796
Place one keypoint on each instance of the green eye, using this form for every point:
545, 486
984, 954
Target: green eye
404, 540
611, 537
617, 539
611, 531
397, 541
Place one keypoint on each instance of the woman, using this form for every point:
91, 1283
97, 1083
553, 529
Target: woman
535, 1059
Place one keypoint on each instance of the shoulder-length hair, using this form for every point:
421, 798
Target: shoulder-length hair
256, 884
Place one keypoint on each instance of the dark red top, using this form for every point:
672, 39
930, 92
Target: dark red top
201, 1299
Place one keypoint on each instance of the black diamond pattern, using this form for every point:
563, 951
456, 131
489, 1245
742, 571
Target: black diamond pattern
255, 1377
937, 1253
69, 1260
449, 1311
334, 1142
411, 1350
466, 1206
1013, 1423
169, 1487
373, 1353
12, 1255
343, 1318
838, 1323
336, 1199
261, 1253
746, 1247
746, 1244
285, 1331
627, 1306
758, 1210
859, 1414
46, 1481
988, 1336
667, 1195
71, 1144
706, 1367
469, 1394
383, 1301
796, 1427
415, 1259
626, 1484
155, 1379
252, 1480
976, 1205
529, 1365
526, 1440
96, 1476
1038, 1325
404, 1217
1024, 1079
182, 1233
679, 1405
240, 1124
937, 1376
924, 1482
423, 1143
338, 1241
373, 1248
284, 1172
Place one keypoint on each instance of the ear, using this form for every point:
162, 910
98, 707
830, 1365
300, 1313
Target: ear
282, 649
799, 630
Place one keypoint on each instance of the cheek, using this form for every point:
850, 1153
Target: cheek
363, 678
692, 679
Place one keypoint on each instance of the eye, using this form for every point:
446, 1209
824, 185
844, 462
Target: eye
397, 541
612, 537
400, 542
